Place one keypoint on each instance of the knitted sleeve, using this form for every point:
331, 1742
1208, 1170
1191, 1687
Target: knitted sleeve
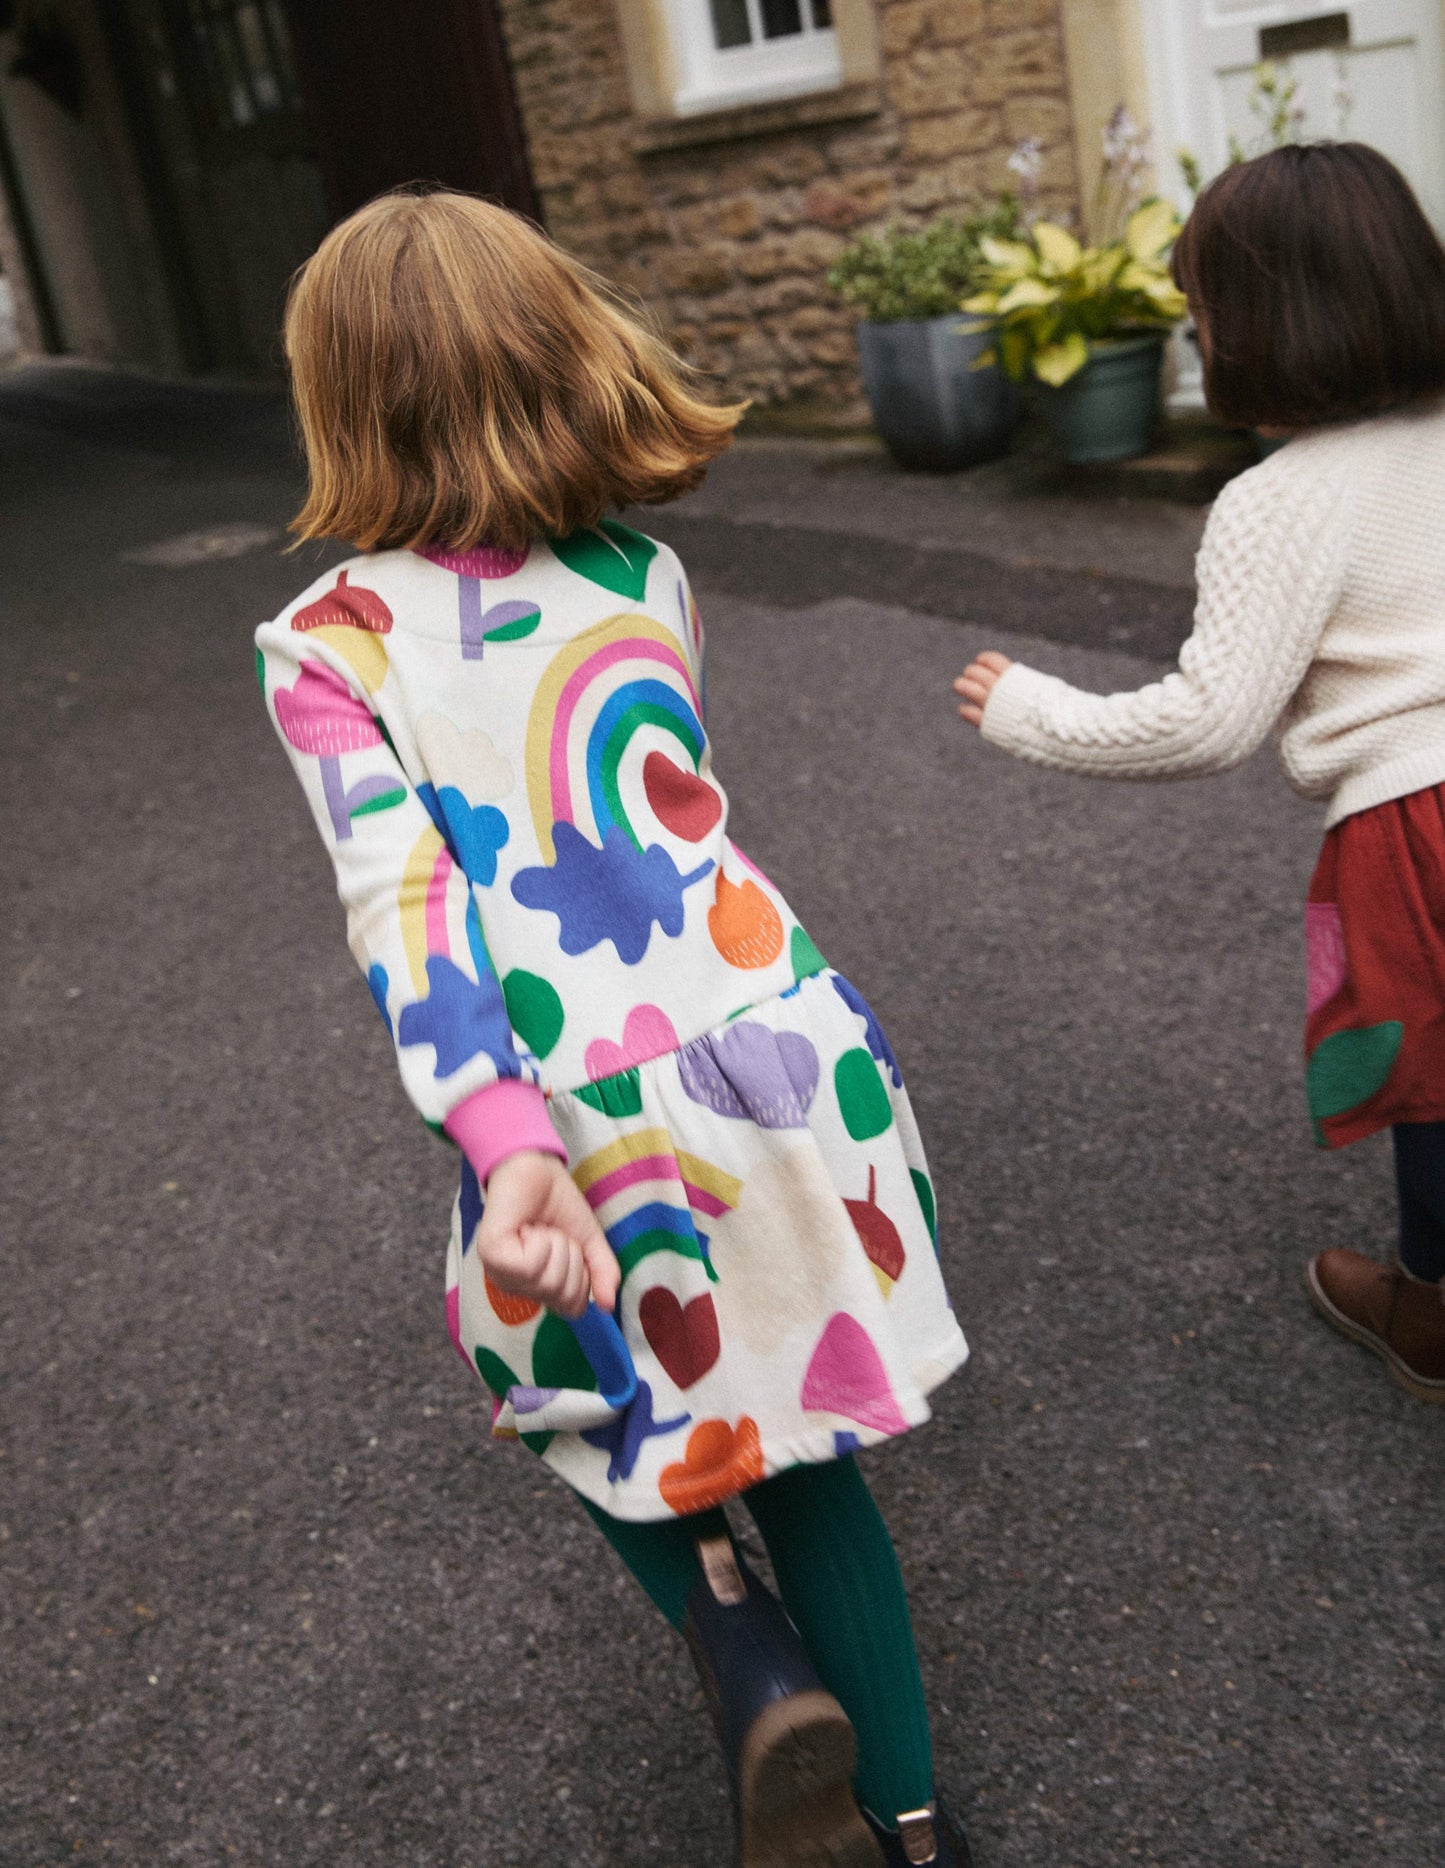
411, 921
1269, 572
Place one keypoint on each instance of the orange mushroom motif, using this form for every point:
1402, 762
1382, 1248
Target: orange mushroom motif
719, 1462
508, 1307
746, 928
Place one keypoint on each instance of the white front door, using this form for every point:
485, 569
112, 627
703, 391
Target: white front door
1387, 57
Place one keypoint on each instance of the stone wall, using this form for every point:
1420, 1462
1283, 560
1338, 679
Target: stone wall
729, 241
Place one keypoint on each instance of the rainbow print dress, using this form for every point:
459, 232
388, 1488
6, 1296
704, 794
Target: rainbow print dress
505, 754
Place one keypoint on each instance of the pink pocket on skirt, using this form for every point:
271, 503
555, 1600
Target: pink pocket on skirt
1324, 953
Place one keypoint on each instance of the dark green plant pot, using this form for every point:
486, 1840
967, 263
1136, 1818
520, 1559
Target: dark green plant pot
932, 408
1107, 412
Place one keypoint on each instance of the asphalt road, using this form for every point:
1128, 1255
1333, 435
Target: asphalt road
268, 1594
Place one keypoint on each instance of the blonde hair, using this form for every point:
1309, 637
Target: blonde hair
458, 378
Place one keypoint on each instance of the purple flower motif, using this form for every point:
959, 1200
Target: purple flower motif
754, 1073
615, 893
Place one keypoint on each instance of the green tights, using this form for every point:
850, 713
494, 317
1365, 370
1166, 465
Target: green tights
839, 1580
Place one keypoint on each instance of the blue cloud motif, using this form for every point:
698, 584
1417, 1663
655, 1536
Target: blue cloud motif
877, 1042
615, 893
379, 985
461, 1019
471, 1204
474, 833
623, 1438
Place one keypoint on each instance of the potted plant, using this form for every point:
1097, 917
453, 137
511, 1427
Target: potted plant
1088, 323
932, 404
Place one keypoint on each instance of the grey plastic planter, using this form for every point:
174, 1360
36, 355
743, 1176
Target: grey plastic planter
931, 407
1107, 412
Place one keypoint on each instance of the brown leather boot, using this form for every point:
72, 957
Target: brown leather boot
1388, 1311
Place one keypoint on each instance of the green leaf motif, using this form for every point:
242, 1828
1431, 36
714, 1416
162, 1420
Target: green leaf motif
534, 1010
515, 631
619, 1096
1348, 1067
495, 1373
861, 1096
613, 555
383, 801
804, 954
923, 1187
557, 1358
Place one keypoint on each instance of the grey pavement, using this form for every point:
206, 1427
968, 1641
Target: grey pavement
269, 1595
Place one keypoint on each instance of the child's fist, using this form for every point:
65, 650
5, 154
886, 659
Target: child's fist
977, 682
538, 1237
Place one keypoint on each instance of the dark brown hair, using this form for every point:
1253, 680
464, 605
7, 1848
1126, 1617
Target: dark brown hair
458, 378
1319, 286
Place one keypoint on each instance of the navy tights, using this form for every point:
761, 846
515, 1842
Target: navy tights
1420, 1177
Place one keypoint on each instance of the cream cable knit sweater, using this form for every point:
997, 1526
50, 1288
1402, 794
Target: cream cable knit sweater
1321, 609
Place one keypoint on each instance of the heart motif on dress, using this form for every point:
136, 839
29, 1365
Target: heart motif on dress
683, 1337
681, 801
646, 1033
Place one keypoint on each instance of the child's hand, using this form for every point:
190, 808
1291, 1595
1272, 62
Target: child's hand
977, 682
538, 1237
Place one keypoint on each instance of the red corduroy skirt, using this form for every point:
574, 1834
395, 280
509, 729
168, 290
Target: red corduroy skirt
1375, 935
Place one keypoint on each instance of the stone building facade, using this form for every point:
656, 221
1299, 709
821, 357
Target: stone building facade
165, 164
727, 229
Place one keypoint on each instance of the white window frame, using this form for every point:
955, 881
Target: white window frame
709, 78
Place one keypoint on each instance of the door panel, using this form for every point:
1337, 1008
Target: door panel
1203, 53
399, 94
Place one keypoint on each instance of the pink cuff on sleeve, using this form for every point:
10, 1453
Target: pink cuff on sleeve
501, 1120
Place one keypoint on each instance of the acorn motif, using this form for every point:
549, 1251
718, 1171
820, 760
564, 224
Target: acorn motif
878, 1236
348, 606
746, 928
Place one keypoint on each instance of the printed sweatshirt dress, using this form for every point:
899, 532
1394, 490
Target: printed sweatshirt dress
505, 755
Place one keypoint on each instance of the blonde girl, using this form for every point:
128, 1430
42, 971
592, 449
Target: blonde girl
692, 1252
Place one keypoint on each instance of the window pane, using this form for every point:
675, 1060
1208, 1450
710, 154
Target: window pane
730, 23
822, 13
782, 18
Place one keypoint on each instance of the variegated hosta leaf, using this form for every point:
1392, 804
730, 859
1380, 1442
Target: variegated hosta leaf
1056, 363
1151, 228
1027, 292
1058, 249
1151, 282
1010, 256
1013, 347
985, 358
1100, 269
981, 302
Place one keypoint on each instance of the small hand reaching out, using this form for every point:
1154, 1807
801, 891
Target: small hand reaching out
538, 1237
978, 681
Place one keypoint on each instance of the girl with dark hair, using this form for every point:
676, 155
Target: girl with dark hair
1318, 288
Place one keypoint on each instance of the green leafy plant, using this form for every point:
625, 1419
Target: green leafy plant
900, 274
1048, 299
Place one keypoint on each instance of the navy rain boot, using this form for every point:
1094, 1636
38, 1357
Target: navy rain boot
926, 1838
788, 1744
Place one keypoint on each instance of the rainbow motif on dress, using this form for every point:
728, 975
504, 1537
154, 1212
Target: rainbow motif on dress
632, 1186
430, 910
622, 674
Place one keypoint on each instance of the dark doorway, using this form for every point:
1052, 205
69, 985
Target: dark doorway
419, 93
